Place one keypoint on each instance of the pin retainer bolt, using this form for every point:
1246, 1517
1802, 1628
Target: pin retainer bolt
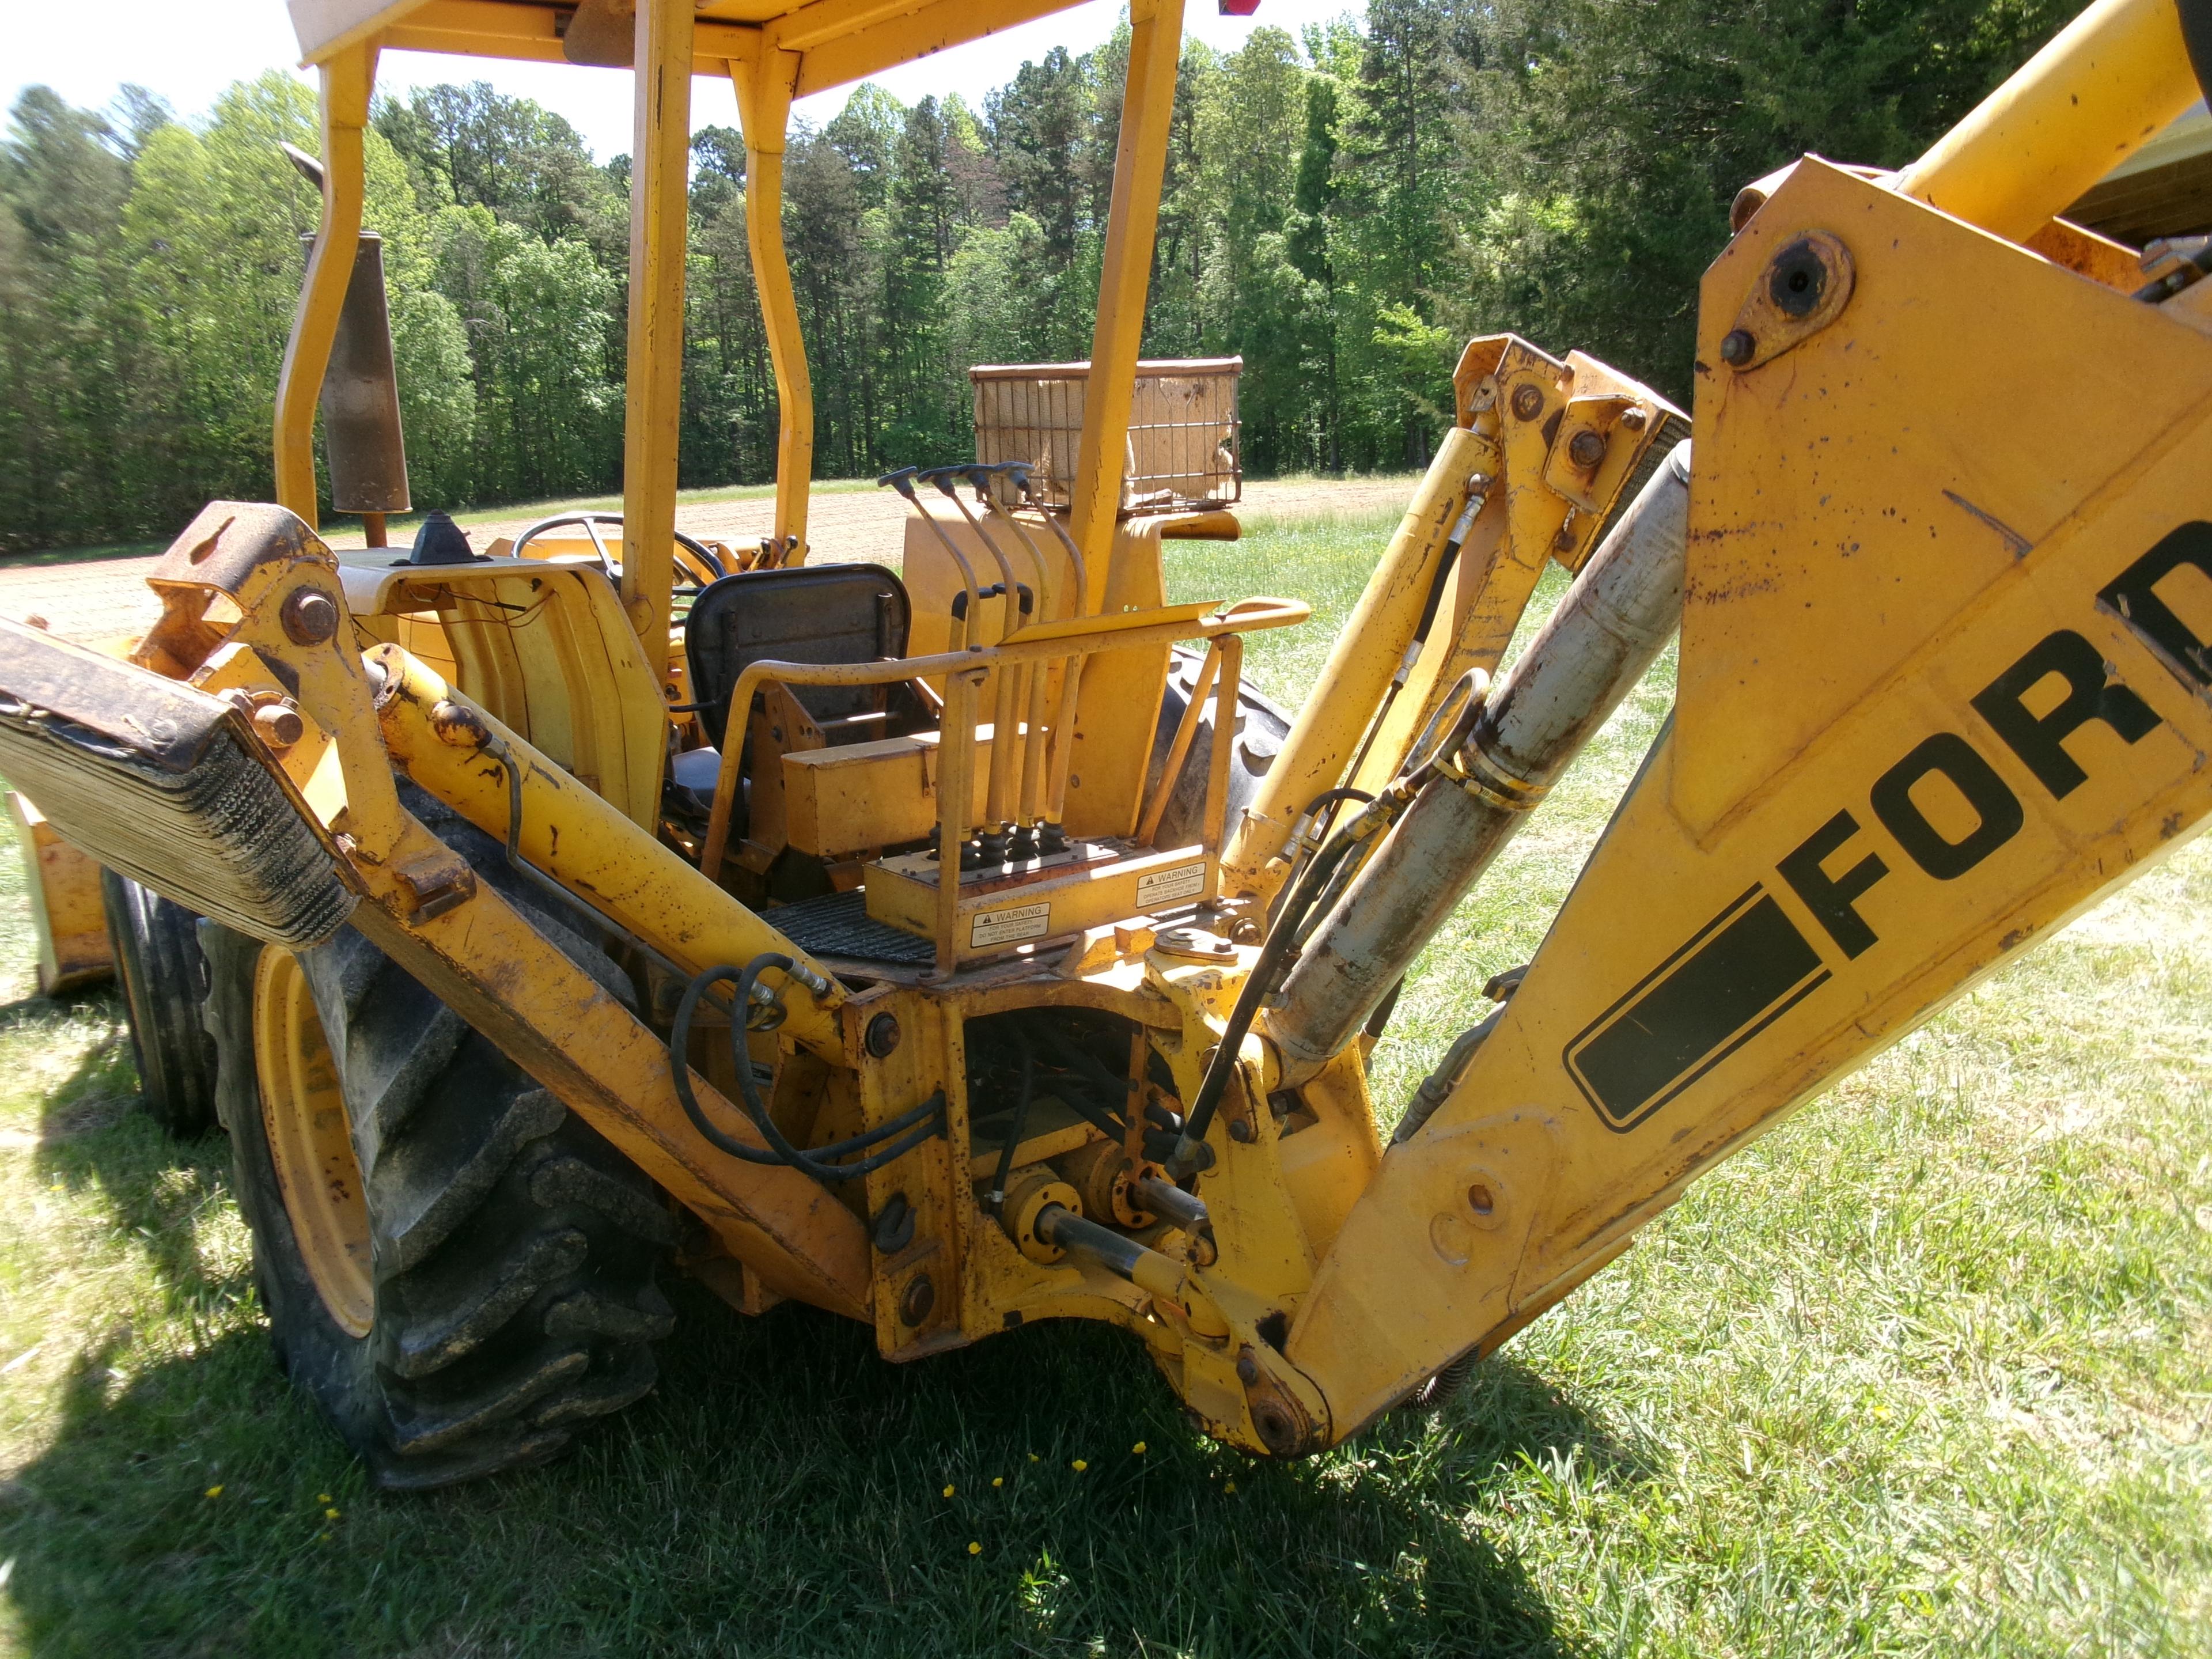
882, 1036
279, 725
309, 616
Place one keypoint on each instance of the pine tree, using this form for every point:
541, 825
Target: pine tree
1250, 125
1397, 147
865, 132
1312, 229
978, 192
835, 274
1036, 124
1173, 324
478, 147
924, 404
728, 385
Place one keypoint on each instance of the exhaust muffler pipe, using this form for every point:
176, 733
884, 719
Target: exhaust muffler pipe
1605, 633
362, 433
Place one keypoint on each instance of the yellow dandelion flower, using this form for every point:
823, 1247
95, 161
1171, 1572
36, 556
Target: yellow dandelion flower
215, 1491
330, 1515
1078, 1466
1138, 1449
1033, 1458
998, 1479
974, 1549
325, 1497
1228, 1487
948, 1490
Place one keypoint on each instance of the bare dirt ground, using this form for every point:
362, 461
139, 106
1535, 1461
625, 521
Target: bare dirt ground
103, 597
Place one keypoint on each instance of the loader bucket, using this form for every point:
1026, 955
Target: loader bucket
165, 785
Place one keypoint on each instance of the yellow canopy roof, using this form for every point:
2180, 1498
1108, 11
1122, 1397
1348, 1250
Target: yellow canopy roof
834, 41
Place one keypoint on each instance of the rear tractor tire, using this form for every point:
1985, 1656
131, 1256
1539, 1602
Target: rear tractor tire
155, 944
457, 1270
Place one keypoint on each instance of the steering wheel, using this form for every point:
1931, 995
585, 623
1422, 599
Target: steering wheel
695, 560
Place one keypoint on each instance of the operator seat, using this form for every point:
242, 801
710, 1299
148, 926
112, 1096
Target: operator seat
821, 613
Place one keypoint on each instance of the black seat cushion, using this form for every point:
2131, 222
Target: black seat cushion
823, 613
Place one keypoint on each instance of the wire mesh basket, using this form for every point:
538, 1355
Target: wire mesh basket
1184, 436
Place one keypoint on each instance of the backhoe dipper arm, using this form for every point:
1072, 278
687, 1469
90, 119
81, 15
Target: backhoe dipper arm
1933, 699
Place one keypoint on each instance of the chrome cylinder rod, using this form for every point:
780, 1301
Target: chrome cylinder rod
1607, 631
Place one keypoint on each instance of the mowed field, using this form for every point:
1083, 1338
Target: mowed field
1926, 1370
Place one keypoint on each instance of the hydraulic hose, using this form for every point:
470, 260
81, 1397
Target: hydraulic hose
1437, 1087
1278, 952
911, 1127
502, 752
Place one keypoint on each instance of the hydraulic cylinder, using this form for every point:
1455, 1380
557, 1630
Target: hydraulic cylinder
1605, 633
1325, 737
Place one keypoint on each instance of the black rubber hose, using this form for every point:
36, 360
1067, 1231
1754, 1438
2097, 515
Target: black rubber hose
679, 1035
609, 928
1322, 803
913, 1126
1437, 583
1102, 1076
1331, 797
1414, 646
1087, 1109
1275, 951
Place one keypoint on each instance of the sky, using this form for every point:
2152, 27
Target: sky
188, 51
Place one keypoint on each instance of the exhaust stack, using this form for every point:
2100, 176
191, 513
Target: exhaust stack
361, 397
362, 435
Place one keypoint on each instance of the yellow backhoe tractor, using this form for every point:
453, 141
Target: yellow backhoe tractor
965, 947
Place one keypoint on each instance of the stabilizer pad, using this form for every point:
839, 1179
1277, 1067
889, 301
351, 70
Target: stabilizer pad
165, 785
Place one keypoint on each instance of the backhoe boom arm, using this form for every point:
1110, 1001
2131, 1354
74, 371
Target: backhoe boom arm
1933, 699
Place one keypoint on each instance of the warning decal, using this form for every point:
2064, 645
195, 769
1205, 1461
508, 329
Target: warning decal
1005, 927
1162, 888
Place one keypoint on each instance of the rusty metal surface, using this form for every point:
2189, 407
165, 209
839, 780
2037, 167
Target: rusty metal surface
361, 432
227, 541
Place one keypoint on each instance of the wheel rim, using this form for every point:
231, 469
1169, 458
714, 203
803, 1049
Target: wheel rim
310, 1141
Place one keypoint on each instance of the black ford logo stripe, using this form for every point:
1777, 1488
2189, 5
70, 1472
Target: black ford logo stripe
1735, 976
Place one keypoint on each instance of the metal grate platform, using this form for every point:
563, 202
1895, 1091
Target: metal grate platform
838, 924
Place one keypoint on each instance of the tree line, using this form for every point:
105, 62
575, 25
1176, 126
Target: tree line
1342, 210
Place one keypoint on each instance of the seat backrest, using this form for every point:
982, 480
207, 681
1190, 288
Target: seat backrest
818, 613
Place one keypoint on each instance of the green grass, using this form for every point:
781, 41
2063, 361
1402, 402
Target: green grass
1927, 1370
